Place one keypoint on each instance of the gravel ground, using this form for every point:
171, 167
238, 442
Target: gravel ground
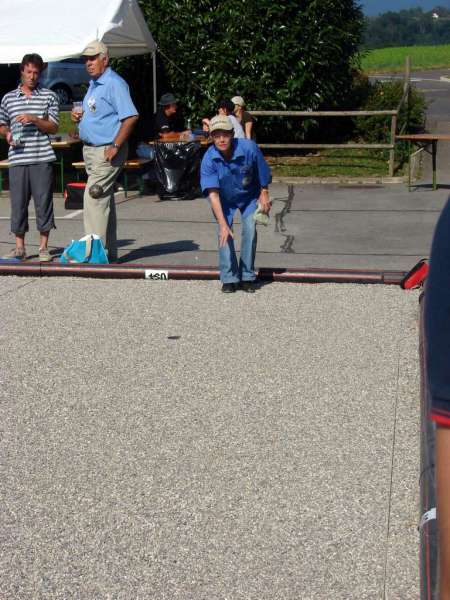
159, 440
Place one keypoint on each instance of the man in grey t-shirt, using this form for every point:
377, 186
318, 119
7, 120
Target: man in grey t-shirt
28, 115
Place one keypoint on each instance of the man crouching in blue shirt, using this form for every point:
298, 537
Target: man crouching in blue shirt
235, 175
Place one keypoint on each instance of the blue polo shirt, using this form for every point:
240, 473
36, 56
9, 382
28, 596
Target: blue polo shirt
106, 104
240, 179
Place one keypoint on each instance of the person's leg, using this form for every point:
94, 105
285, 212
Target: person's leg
41, 181
443, 508
19, 189
228, 265
111, 231
248, 246
99, 213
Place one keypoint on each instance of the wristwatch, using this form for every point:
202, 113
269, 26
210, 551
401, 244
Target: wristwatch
115, 146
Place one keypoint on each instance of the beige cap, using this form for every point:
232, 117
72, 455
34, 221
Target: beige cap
94, 48
239, 100
220, 122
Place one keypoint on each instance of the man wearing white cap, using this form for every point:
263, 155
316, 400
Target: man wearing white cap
235, 175
105, 125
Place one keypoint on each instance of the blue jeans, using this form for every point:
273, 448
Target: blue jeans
230, 270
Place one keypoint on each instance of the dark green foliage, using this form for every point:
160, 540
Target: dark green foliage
387, 96
407, 28
277, 54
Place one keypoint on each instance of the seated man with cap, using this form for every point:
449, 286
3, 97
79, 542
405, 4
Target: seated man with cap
235, 175
167, 118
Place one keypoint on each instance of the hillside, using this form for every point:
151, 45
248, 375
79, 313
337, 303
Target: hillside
376, 7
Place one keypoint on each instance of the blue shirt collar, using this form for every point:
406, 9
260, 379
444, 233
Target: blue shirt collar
103, 77
237, 152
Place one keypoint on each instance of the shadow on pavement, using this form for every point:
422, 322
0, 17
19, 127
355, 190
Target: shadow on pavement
159, 249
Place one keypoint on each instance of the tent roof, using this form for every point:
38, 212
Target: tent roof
62, 29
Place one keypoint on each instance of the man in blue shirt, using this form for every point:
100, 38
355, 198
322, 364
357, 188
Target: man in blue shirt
235, 175
105, 125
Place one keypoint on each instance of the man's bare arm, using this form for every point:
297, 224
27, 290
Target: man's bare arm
124, 133
224, 230
44, 125
125, 130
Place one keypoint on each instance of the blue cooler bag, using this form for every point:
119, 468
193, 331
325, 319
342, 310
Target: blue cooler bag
89, 249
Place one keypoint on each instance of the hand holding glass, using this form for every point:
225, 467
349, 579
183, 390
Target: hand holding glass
77, 111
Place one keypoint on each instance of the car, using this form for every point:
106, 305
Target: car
67, 78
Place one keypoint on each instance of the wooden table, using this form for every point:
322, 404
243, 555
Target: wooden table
176, 138
65, 143
423, 140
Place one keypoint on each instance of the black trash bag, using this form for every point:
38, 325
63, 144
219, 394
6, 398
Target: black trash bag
177, 166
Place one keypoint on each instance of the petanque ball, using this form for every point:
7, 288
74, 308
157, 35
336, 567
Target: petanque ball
96, 191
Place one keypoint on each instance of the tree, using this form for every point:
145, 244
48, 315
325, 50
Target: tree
285, 54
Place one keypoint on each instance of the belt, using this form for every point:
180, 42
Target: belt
96, 145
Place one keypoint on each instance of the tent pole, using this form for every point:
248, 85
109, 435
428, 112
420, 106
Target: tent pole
154, 82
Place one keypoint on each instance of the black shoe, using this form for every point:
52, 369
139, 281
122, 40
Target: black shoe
228, 288
248, 286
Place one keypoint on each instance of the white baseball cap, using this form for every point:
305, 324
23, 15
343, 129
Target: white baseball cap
220, 122
239, 100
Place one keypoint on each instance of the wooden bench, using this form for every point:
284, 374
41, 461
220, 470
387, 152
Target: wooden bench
4, 164
134, 165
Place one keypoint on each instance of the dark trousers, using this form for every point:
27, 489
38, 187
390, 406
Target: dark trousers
26, 181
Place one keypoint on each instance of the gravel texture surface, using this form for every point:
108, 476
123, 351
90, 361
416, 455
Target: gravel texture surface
163, 441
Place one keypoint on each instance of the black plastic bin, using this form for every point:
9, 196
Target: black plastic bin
177, 166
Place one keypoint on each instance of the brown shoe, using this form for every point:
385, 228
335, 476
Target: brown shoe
15, 254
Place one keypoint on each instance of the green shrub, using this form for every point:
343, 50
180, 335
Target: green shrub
387, 96
277, 54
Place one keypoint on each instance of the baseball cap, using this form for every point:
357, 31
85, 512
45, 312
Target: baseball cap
239, 100
220, 122
94, 48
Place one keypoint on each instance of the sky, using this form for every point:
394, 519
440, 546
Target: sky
375, 7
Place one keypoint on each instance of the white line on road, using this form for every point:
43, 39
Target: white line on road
72, 214
69, 216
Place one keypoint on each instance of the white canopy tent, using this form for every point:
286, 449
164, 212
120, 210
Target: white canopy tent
58, 29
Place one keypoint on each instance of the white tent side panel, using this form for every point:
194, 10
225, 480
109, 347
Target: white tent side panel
61, 29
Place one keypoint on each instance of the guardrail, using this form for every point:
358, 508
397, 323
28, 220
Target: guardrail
349, 113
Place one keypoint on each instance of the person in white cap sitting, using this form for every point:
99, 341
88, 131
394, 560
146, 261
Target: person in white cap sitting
244, 117
226, 108
235, 175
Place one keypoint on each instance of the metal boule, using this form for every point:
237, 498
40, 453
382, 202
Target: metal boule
96, 191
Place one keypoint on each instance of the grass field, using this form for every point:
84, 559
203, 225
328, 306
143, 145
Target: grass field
332, 163
391, 60
65, 124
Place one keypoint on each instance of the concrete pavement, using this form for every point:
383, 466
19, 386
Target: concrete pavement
371, 227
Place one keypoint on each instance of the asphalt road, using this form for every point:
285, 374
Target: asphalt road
353, 227
435, 85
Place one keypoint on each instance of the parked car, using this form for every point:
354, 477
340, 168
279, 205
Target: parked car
67, 78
